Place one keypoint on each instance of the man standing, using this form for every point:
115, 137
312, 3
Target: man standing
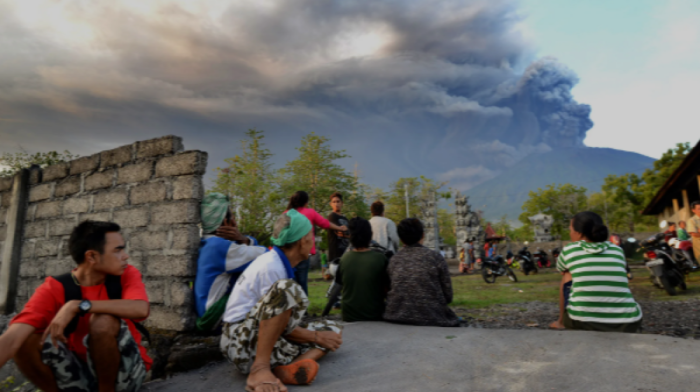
337, 240
694, 228
85, 344
383, 229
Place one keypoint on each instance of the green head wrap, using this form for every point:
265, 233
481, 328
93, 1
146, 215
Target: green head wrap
214, 207
290, 228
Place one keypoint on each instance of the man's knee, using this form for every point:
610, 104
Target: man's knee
104, 325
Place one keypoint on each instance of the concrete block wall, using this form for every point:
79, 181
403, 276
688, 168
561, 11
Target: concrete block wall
152, 189
5, 195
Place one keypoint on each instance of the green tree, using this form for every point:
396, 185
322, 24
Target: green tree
249, 182
446, 223
419, 189
562, 202
654, 178
17, 161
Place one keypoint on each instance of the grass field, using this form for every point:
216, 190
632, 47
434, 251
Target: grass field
470, 291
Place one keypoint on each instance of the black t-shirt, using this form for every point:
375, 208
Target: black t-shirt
365, 282
336, 244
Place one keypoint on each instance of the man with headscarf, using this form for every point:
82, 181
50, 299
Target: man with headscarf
263, 334
223, 254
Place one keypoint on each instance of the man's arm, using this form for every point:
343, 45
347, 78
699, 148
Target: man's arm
12, 340
326, 339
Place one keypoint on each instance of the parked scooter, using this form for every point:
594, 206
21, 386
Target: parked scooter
555, 254
683, 254
665, 271
496, 266
527, 265
512, 261
541, 258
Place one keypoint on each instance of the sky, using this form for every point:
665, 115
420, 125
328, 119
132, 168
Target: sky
456, 90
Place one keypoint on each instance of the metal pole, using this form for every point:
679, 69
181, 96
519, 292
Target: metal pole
406, 193
436, 229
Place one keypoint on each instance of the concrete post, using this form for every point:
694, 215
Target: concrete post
686, 206
9, 270
676, 210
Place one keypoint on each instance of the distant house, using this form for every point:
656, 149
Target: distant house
672, 201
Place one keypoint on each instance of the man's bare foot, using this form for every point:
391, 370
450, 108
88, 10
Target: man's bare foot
261, 379
557, 325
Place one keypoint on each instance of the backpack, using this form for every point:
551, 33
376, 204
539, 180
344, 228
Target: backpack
113, 284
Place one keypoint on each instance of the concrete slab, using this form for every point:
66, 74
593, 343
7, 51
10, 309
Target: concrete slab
387, 357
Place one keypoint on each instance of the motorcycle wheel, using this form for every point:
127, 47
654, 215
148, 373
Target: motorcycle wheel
667, 285
511, 275
489, 277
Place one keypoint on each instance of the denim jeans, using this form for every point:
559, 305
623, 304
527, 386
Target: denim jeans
301, 275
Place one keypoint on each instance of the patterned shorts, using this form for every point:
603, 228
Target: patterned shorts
74, 375
239, 340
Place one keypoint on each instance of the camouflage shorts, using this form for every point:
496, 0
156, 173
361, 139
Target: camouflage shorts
74, 375
239, 340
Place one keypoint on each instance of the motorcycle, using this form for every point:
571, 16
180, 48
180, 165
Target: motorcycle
527, 265
494, 267
541, 258
665, 271
683, 254
511, 260
555, 254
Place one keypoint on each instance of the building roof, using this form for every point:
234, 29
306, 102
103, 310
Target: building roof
679, 180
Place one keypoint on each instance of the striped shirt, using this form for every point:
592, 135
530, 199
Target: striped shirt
600, 292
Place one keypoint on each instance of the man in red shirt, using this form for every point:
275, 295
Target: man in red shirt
103, 352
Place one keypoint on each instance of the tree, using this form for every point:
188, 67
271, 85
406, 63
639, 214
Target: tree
249, 183
419, 189
562, 202
17, 161
446, 223
315, 171
655, 177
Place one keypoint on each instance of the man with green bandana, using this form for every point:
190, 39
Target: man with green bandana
263, 334
223, 254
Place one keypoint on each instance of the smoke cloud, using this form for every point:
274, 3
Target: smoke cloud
407, 87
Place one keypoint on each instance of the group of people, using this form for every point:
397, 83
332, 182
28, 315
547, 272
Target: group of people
256, 298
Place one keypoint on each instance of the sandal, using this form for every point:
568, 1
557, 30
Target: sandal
297, 373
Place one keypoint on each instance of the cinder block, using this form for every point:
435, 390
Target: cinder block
35, 229
20, 302
3, 216
148, 240
135, 217
61, 226
98, 216
136, 260
22, 288
55, 172
3, 235
183, 265
84, 164
117, 156
181, 319
155, 291
165, 145
55, 267
46, 248
34, 284
190, 162
27, 250
34, 175
6, 183
188, 187
186, 238
180, 294
31, 268
76, 205
69, 186
48, 209
148, 193
110, 199
175, 212
135, 173
5, 198
99, 180
40, 192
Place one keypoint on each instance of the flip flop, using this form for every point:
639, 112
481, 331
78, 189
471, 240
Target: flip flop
297, 373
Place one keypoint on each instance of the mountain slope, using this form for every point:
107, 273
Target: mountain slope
587, 167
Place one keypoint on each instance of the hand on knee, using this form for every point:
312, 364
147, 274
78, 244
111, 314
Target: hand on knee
104, 325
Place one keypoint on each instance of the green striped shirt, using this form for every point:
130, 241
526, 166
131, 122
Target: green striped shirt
600, 292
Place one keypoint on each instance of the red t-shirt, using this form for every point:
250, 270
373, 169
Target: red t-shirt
48, 299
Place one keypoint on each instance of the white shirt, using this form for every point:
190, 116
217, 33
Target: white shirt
384, 233
253, 284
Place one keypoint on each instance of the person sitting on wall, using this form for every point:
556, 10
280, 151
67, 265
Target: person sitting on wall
421, 288
363, 275
223, 254
263, 334
86, 344
594, 292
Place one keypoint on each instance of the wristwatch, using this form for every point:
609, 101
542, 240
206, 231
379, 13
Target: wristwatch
84, 307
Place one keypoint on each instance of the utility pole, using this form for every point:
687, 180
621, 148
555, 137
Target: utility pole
436, 229
406, 193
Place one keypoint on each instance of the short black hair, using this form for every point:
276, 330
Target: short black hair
90, 235
671, 224
377, 208
410, 231
298, 200
693, 204
360, 232
591, 226
336, 194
